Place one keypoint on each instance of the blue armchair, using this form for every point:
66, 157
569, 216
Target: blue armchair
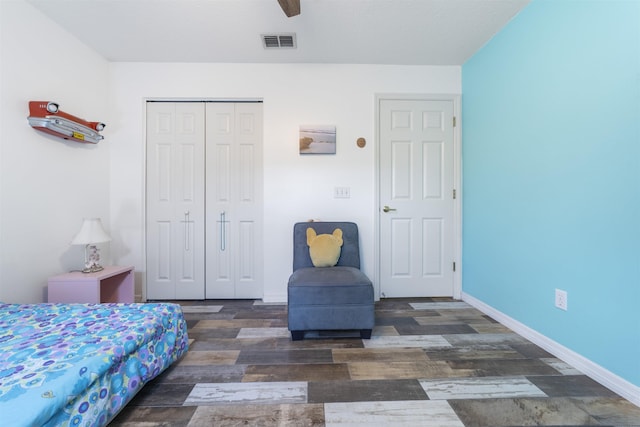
329, 298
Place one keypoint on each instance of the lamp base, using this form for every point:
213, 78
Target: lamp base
93, 269
91, 259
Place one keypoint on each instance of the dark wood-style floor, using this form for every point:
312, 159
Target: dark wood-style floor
430, 362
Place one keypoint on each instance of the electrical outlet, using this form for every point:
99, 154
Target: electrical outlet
561, 299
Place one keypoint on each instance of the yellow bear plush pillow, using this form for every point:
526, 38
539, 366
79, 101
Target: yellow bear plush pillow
324, 249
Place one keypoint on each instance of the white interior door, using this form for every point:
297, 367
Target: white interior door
175, 200
234, 257
416, 197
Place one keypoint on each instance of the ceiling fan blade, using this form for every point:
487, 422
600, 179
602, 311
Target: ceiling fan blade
290, 7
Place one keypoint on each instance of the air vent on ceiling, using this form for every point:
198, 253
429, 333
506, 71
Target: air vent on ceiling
279, 41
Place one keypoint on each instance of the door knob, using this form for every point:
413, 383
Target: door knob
387, 209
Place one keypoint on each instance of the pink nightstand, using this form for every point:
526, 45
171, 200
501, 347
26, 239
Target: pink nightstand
113, 284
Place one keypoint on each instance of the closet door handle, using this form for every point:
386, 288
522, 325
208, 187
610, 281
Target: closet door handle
186, 231
223, 231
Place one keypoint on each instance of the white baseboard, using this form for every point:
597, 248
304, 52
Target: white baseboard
605, 377
274, 298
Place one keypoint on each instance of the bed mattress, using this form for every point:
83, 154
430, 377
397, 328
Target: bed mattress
79, 364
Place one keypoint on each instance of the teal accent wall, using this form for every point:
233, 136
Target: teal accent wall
551, 171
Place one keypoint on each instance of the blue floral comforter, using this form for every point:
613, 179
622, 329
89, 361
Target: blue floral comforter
79, 364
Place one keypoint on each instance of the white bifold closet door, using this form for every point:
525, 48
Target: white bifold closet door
234, 195
204, 200
175, 200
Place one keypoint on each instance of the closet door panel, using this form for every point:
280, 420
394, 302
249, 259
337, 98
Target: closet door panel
234, 200
175, 200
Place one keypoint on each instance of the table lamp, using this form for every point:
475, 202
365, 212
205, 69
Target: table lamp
91, 233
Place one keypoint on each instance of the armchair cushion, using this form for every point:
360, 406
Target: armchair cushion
349, 253
329, 286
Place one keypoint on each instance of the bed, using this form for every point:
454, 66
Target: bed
79, 364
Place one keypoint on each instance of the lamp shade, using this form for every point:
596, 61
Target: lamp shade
91, 232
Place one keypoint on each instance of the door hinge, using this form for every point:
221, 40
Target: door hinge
454, 193
454, 121
454, 266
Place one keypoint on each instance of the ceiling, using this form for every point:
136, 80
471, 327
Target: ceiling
403, 32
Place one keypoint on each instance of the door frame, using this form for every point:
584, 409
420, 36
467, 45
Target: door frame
457, 183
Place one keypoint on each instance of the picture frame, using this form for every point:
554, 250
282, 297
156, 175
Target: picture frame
317, 139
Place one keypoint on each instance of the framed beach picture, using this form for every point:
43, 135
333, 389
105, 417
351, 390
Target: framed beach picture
317, 139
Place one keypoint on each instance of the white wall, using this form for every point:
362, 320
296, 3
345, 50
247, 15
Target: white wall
47, 185
296, 188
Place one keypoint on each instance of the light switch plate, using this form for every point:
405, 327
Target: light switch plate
341, 192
